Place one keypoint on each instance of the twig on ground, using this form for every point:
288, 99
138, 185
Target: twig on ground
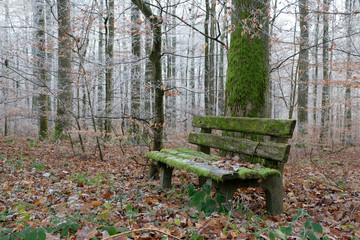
142, 229
141, 164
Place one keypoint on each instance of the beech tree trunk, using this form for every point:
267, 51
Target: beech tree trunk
303, 71
64, 99
348, 114
135, 70
325, 97
109, 58
40, 69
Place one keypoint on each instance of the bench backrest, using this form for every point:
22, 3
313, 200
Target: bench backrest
276, 150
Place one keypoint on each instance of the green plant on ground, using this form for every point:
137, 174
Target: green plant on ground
67, 228
27, 233
308, 231
21, 210
194, 235
80, 178
37, 165
203, 201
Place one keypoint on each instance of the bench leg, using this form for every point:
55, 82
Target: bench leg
202, 180
274, 195
226, 189
165, 176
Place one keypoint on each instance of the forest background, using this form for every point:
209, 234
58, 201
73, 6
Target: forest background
129, 75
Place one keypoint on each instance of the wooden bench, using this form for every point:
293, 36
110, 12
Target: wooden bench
273, 154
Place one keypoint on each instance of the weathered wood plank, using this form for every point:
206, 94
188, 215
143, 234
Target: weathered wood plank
205, 170
267, 150
200, 169
191, 154
262, 126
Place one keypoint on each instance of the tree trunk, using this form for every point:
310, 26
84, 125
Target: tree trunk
40, 69
316, 74
100, 80
156, 83
109, 58
303, 71
64, 99
325, 100
247, 63
135, 71
209, 65
148, 93
348, 114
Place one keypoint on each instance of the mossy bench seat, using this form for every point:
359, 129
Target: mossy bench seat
187, 160
273, 155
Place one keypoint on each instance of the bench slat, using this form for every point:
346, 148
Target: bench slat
200, 169
176, 159
267, 150
191, 154
282, 128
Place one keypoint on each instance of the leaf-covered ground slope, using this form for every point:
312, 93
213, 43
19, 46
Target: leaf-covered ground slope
79, 197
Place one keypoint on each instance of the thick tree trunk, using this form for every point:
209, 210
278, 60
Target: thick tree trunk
247, 63
64, 101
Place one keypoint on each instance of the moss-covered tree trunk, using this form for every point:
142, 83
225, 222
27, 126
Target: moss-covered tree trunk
156, 82
155, 58
64, 103
247, 73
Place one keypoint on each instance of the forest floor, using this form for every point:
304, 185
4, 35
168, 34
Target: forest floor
76, 196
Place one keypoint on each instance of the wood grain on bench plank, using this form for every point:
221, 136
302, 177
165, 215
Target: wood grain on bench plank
268, 150
282, 128
203, 169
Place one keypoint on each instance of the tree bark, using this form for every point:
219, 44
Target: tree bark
40, 69
348, 114
135, 71
109, 58
64, 99
156, 83
325, 100
303, 71
247, 62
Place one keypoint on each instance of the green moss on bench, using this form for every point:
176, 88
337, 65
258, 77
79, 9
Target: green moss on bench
262, 126
268, 172
177, 159
189, 154
199, 169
